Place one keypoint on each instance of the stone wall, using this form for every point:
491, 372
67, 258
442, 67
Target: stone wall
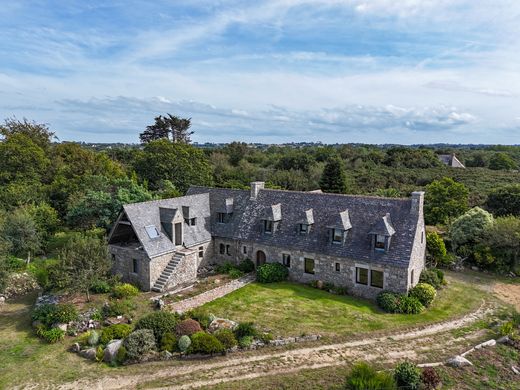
122, 265
417, 258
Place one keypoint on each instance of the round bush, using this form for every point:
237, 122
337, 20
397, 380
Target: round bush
187, 327
201, 317
430, 378
424, 292
158, 322
93, 338
168, 342
139, 343
434, 277
410, 305
184, 343
246, 266
206, 343
388, 301
124, 290
226, 337
244, 329
115, 332
245, 342
271, 272
407, 375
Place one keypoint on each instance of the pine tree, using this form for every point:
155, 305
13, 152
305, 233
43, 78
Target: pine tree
166, 125
334, 178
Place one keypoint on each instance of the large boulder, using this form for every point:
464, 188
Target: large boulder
89, 353
221, 323
458, 361
111, 350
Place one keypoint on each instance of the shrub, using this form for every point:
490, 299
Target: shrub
184, 343
168, 342
83, 339
271, 272
225, 268
139, 343
187, 327
115, 332
430, 378
118, 308
424, 292
206, 343
245, 342
124, 290
410, 305
235, 273
226, 337
364, 377
49, 314
266, 337
244, 329
99, 353
407, 375
246, 266
100, 287
52, 335
121, 355
158, 322
338, 290
202, 318
389, 301
433, 277
93, 338
507, 329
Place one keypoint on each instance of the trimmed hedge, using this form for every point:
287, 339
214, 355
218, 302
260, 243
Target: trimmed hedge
206, 343
272, 272
159, 323
424, 292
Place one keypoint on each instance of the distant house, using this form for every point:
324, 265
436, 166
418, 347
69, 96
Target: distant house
450, 160
363, 243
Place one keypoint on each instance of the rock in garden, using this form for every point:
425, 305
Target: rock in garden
503, 340
221, 323
458, 361
63, 327
515, 370
159, 304
111, 350
89, 354
165, 355
75, 348
489, 343
2, 299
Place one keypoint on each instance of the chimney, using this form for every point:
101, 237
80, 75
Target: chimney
256, 186
417, 202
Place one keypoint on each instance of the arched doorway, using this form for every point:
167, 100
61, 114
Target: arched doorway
260, 258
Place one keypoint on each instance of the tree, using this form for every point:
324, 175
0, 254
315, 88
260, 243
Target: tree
469, 229
445, 199
45, 218
296, 161
436, 249
334, 178
183, 165
4, 268
36, 132
502, 161
505, 201
83, 260
20, 230
503, 239
165, 126
236, 151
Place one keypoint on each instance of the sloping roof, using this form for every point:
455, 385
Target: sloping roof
273, 212
145, 214
383, 227
450, 160
340, 220
307, 217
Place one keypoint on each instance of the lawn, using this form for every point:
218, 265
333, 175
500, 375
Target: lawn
291, 309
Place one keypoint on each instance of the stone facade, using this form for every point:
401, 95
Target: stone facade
123, 265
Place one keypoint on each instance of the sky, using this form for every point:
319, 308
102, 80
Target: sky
335, 71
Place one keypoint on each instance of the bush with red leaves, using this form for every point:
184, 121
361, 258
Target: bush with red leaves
430, 378
187, 327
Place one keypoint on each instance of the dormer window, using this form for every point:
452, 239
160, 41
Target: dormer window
380, 243
304, 228
221, 217
382, 232
268, 227
337, 236
190, 221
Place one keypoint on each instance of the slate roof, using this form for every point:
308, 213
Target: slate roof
383, 227
149, 213
450, 160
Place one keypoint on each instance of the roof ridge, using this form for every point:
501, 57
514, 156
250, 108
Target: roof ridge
339, 195
160, 200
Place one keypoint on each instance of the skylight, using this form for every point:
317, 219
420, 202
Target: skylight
152, 231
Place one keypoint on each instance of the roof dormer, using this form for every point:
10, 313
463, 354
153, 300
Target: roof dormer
305, 222
271, 218
382, 232
338, 227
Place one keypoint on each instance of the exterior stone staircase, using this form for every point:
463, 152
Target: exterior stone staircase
167, 273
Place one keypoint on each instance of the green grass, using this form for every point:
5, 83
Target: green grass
293, 309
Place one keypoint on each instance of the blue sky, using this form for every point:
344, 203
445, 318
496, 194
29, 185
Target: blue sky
375, 71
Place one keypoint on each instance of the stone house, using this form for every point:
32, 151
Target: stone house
450, 160
363, 243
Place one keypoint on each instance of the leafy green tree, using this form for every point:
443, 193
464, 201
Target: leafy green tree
505, 201
36, 132
334, 178
236, 152
502, 161
296, 161
45, 218
445, 199
168, 190
436, 249
20, 230
388, 193
469, 229
165, 126
181, 164
4, 268
83, 260
503, 239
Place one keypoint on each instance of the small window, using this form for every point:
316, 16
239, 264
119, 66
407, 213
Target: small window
380, 242
362, 276
309, 266
411, 278
190, 221
337, 236
152, 231
268, 226
221, 217
244, 249
135, 266
228, 250
286, 259
304, 228
422, 237
201, 251
376, 278
222, 249
338, 267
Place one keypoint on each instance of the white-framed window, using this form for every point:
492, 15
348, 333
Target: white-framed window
362, 276
337, 236
380, 242
286, 259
